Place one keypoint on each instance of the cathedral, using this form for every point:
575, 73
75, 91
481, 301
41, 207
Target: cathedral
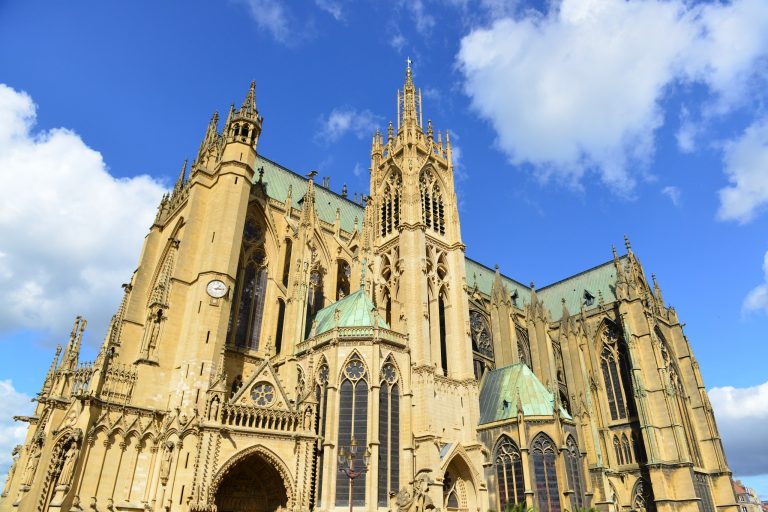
282, 347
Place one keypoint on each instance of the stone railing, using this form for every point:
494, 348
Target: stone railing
353, 333
118, 384
257, 418
81, 379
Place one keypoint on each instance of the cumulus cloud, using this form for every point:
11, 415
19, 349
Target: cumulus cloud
12, 403
746, 165
673, 193
738, 411
331, 7
270, 15
580, 88
360, 123
757, 298
70, 232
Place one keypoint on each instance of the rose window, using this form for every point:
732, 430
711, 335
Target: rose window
263, 393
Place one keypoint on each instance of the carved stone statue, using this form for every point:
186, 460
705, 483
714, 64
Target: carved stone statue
32, 459
419, 501
165, 463
68, 467
15, 455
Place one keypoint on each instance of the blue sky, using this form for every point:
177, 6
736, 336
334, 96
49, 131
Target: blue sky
575, 123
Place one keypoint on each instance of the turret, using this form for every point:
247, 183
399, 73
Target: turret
244, 125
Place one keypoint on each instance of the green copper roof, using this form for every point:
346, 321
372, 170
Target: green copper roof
355, 310
278, 179
505, 387
481, 276
600, 280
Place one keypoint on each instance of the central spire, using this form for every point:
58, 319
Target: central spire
407, 114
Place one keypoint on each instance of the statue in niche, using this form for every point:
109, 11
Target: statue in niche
165, 463
33, 458
12, 471
153, 332
68, 467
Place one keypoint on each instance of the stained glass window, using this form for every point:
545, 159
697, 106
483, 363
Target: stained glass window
389, 434
509, 473
523, 346
573, 469
353, 423
544, 456
615, 369
263, 394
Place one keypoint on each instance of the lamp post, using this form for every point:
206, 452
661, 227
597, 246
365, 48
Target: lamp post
347, 457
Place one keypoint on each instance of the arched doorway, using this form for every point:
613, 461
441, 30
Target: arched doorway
252, 484
458, 487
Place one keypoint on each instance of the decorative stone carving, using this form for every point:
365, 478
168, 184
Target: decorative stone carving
165, 463
419, 501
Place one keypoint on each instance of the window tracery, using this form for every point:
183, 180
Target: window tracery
523, 346
641, 497
390, 205
432, 206
389, 433
353, 418
263, 394
615, 370
544, 456
321, 396
343, 273
573, 469
509, 473
482, 342
315, 296
250, 291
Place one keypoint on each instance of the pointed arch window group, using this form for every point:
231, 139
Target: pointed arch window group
509, 473
390, 204
432, 206
389, 433
614, 365
353, 423
250, 291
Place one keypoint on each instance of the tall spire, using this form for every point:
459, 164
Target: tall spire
408, 113
249, 104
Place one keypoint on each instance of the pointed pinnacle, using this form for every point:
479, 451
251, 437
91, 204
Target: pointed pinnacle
627, 244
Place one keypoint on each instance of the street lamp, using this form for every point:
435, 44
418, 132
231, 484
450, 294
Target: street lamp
347, 456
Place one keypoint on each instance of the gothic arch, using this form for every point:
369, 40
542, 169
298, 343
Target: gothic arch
459, 465
354, 355
267, 455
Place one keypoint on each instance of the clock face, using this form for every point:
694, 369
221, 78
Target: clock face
217, 289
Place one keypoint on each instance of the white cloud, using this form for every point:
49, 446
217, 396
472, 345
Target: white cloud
361, 123
270, 15
580, 88
398, 42
70, 232
331, 7
757, 298
739, 413
12, 403
673, 193
746, 165
358, 169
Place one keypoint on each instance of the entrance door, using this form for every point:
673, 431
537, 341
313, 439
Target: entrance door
252, 485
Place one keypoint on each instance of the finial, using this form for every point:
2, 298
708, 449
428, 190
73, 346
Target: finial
250, 99
533, 285
653, 277
390, 132
430, 132
261, 173
613, 247
496, 267
182, 174
311, 175
344, 190
627, 244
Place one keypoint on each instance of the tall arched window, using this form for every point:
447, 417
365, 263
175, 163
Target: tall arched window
250, 291
343, 273
287, 261
482, 343
509, 473
280, 325
523, 346
615, 368
443, 345
617, 449
562, 383
544, 455
321, 395
386, 301
390, 203
626, 449
432, 207
389, 434
315, 297
573, 470
353, 423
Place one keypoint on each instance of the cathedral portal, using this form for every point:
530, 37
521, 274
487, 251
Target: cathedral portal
252, 483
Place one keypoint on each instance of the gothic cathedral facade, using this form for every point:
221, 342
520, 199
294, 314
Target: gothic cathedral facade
282, 347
